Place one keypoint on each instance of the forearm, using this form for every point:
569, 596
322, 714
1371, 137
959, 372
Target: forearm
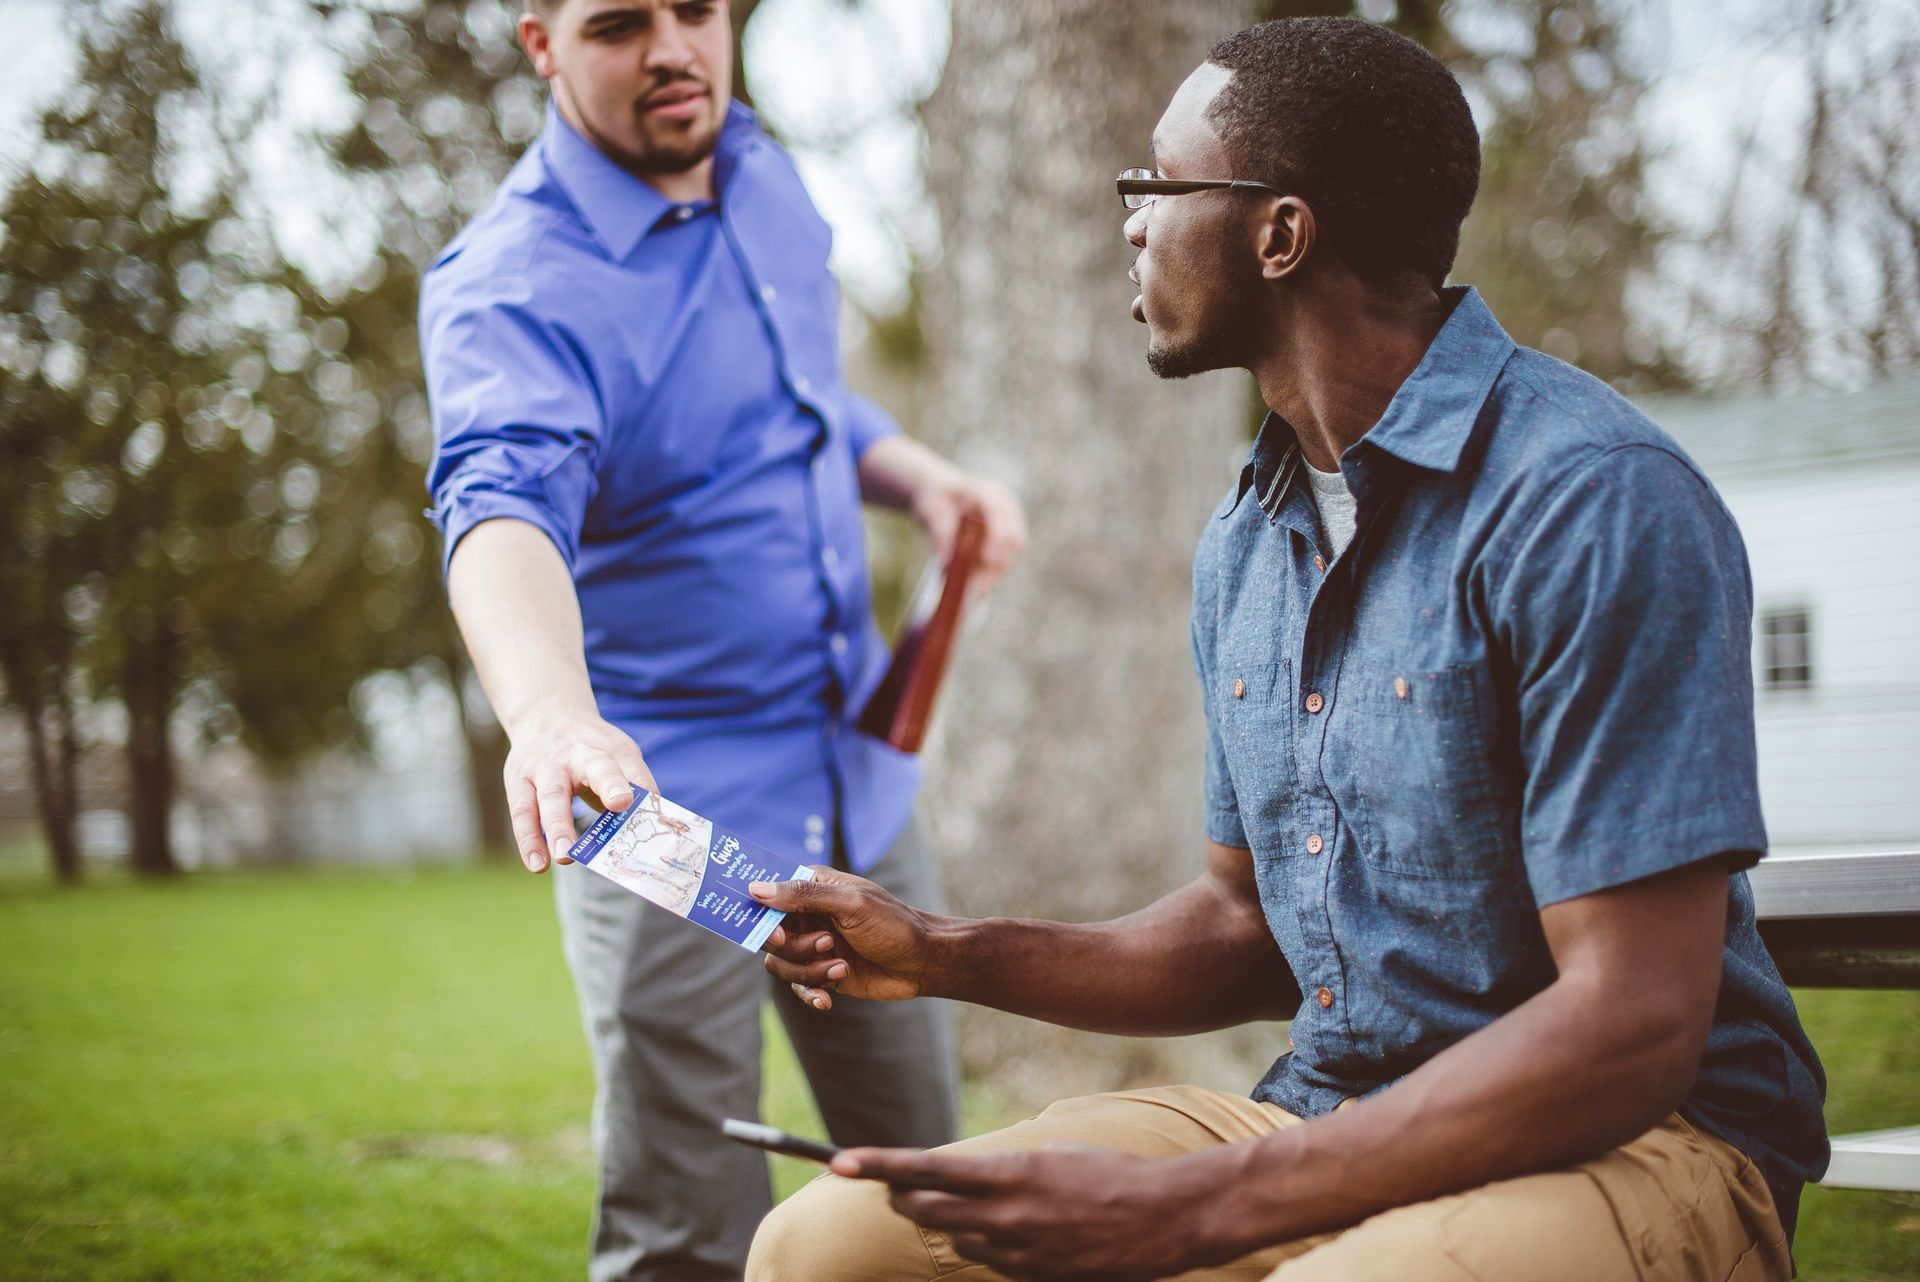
520, 618
1198, 959
896, 468
1549, 1085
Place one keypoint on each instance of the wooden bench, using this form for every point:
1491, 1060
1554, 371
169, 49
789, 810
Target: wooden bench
1849, 921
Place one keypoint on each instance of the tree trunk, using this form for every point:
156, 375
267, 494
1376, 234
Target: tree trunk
147, 687
1065, 776
53, 756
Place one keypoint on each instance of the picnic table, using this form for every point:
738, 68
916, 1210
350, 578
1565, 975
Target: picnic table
1838, 919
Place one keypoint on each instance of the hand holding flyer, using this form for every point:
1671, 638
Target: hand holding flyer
668, 854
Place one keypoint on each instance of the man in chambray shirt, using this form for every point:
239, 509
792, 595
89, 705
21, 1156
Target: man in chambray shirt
649, 472
1473, 638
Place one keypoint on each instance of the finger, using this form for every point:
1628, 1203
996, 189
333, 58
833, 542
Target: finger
524, 813
633, 766
930, 1169
798, 948
555, 799
828, 897
816, 974
988, 1250
608, 781
818, 998
932, 1209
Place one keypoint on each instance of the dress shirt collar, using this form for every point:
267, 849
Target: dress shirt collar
1427, 422
619, 207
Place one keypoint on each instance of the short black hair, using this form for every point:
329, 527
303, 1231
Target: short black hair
1373, 129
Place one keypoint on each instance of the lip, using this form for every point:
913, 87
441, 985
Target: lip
676, 102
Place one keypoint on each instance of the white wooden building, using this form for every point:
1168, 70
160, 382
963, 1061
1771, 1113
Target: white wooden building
1826, 488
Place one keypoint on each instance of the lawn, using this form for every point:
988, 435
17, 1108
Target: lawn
353, 1075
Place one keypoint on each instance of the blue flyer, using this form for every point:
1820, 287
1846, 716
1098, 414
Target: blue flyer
677, 859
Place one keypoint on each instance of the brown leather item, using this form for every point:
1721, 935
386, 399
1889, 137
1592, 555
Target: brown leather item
902, 705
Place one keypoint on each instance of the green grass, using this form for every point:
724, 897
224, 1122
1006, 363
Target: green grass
354, 1075
299, 1076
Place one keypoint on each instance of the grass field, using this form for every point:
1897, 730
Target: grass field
348, 1076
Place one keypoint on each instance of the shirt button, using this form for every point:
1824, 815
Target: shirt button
1400, 687
768, 293
683, 213
1319, 563
803, 385
1324, 997
1315, 702
830, 556
816, 824
1315, 845
837, 643
815, 845
1239, 688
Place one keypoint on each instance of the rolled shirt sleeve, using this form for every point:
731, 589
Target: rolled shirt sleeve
1626, 608
867, 423
517, 420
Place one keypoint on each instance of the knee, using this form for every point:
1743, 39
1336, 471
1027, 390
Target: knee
837, 1229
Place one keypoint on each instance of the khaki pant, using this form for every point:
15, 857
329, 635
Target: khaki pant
1674, 1204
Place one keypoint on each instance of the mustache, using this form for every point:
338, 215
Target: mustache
671, 80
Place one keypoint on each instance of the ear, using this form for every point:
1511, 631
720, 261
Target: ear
537, 41
1286, 237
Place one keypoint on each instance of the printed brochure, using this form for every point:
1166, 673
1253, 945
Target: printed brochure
668, 854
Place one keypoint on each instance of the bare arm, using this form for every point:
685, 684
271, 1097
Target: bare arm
1202, 957
899, 472
1603, 1054
514, 601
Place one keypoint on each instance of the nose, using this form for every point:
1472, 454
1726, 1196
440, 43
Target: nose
1135, 229
669, 49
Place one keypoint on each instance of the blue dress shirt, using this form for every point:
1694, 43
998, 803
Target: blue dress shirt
658, 388
1526, 679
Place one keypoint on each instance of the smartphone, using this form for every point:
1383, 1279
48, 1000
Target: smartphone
775, 1140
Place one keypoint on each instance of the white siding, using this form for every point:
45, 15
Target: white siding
1840, 761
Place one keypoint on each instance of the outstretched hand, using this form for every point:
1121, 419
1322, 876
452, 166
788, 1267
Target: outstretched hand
845, 934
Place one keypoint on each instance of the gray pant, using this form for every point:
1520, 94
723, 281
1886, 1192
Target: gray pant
673, 1021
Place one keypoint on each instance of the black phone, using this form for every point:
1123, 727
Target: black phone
775, 1140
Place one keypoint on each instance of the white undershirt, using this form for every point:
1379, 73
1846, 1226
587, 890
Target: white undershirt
1336, 504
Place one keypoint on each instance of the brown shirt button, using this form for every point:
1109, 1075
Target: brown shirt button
1315, 702
1319, 563
1315, 845
1400, 687
1324, 997
1239, 688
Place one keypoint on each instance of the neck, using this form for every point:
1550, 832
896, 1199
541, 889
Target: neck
684, 187
1332, 371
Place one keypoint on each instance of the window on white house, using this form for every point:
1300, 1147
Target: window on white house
1786, 649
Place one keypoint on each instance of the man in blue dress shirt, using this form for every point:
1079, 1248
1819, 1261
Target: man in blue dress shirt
649, 472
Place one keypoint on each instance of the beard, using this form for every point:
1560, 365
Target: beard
657, 147
1227, 296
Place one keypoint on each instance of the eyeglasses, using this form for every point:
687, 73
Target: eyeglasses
1141, 187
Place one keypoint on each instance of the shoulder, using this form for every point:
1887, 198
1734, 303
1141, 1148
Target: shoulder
529, 231
1556, 428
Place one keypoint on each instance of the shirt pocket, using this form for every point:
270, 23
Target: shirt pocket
1421, 791
1254, 701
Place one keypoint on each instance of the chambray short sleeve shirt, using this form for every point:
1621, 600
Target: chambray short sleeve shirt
1525, 680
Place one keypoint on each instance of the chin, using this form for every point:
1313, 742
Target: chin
1169, 361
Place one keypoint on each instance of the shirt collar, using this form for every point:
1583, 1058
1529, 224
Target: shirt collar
1427, 422
619, 207
1430, 418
